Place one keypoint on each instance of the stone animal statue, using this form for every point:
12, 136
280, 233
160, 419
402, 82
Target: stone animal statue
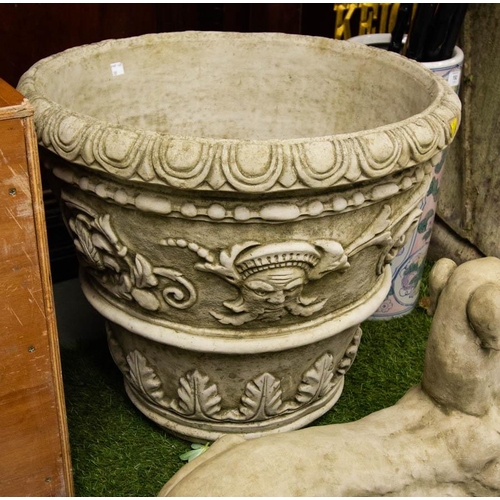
441, 439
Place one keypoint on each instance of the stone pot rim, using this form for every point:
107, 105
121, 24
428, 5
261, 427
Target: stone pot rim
350, 157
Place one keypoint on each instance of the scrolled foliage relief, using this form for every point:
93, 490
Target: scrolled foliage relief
126, 274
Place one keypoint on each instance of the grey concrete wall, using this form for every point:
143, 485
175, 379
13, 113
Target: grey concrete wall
470, 192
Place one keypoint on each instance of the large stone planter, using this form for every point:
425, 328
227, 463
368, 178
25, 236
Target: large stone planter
235, 200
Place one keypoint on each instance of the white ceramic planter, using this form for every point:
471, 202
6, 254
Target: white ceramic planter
408, 265
236, 200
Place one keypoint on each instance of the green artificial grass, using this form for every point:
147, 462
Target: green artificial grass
116, 451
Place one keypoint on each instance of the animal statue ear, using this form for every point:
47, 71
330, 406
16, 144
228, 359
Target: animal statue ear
438, 277
483, 311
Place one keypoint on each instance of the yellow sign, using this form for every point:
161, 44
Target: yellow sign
364, 18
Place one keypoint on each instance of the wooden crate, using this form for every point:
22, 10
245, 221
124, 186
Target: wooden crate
34, 447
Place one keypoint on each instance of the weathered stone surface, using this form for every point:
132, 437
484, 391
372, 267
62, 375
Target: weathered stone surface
469, 200
235, 200
441, 439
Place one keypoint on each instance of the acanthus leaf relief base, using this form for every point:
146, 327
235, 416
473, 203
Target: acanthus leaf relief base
235, 200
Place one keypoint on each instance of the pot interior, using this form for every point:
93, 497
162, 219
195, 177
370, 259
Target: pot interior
235, 86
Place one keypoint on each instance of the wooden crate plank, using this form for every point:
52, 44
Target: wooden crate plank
34, 456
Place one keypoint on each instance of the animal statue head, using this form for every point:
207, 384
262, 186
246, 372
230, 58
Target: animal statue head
461, 369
